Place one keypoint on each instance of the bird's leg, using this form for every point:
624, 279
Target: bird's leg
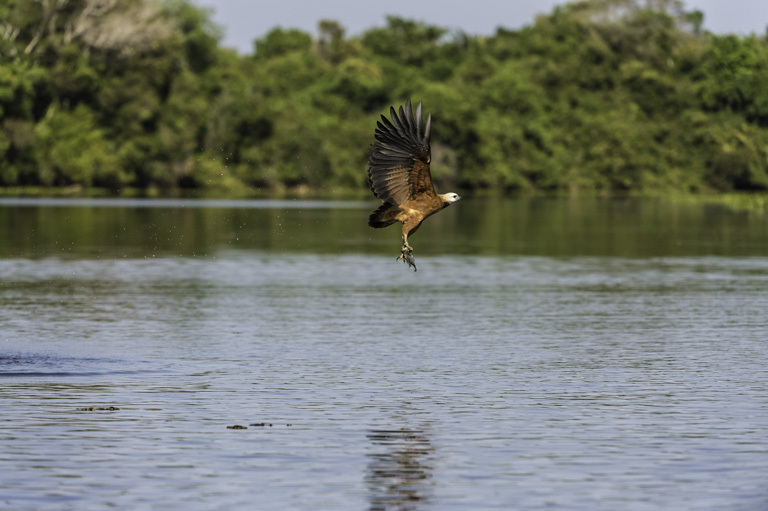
406, 247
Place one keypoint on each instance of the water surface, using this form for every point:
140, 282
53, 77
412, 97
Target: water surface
571, 354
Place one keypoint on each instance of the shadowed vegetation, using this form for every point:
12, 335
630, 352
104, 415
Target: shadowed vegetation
608, 95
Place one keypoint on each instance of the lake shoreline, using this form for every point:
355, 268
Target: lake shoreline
756, 202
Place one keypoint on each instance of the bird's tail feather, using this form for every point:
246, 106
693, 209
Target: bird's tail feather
384, 216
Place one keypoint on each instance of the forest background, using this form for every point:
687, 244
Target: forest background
599, 95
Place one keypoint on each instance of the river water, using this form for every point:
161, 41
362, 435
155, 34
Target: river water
578, 354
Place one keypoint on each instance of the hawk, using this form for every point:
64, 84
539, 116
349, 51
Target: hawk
399, 175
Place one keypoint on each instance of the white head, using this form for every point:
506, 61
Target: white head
450, 198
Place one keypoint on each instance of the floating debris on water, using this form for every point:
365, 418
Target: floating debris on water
98, 409
236, 426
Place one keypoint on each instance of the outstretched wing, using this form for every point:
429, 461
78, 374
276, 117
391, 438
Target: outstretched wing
398, 168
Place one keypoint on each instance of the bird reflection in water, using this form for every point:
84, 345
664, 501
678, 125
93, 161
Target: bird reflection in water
400, 470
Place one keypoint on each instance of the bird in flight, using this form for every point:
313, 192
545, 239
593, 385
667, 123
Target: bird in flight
399, 175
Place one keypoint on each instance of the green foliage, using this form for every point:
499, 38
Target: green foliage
200, 36
734, 77
72, 150
616, 95
279, 42
407, 42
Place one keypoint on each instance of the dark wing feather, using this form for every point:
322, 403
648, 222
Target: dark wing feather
398, 168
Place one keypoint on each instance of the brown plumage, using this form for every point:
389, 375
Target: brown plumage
398, 174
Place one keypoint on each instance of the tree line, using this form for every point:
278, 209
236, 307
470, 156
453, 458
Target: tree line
608, 95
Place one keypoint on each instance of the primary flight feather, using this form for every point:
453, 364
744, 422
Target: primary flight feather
399, 175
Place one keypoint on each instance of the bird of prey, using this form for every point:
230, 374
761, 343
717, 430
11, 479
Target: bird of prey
399, 175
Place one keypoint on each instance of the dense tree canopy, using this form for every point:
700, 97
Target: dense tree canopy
616, 95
